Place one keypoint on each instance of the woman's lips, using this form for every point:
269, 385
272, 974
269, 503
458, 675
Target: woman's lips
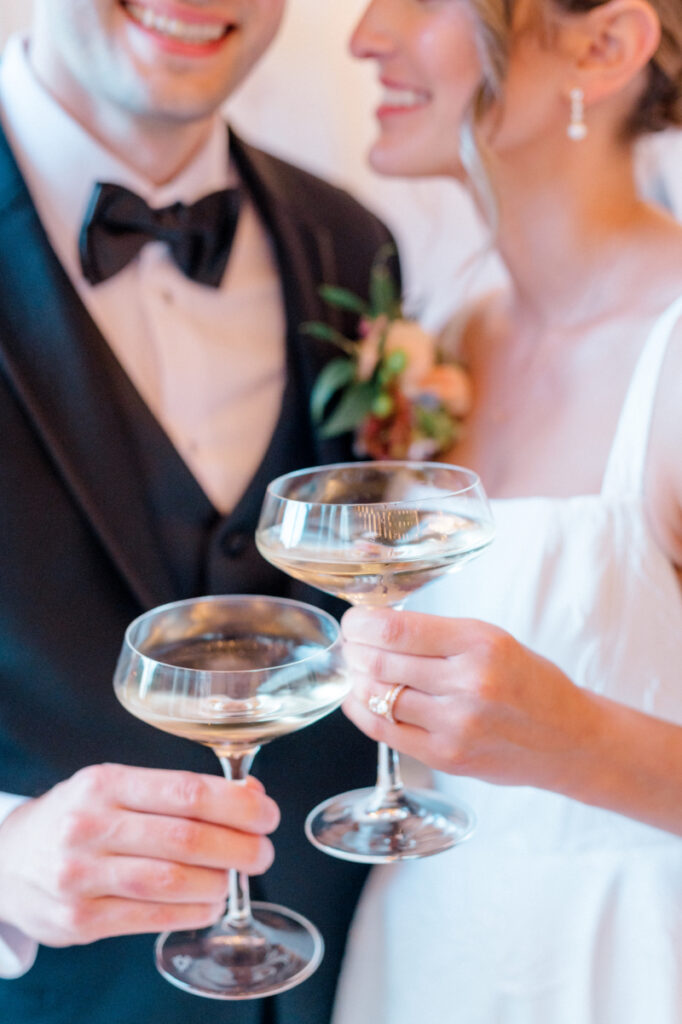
400, 99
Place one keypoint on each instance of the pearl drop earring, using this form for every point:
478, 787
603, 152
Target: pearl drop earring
577, 129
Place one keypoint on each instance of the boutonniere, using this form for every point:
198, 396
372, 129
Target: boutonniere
391, 387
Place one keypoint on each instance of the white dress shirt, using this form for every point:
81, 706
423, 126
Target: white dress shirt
209, 363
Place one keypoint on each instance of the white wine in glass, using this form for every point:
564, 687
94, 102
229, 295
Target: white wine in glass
373, 533
233, 672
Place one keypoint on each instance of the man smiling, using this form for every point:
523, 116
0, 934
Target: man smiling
153, 379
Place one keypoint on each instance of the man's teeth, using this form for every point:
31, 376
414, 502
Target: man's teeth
401, 98
186, 32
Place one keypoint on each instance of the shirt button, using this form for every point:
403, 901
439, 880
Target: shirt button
235, 544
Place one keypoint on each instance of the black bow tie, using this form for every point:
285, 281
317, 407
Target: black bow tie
119, 223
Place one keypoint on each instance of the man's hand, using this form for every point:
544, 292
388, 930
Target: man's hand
116, 850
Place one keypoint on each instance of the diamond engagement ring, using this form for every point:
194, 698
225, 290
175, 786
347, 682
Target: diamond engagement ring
383, 706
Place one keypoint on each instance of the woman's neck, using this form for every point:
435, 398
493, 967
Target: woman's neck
567, 221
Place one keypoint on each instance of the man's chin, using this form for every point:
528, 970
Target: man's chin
170, 103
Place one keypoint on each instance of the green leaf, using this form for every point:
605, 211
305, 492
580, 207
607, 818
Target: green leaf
395, 362
385, 253
342, 298
383, 294
355, 404
324, 332
336, 374
383, 405
436, 423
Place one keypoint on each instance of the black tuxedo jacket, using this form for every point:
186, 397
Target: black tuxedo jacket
99, 520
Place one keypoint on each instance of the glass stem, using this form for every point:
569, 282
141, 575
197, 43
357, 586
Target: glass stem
236, 768
389, 781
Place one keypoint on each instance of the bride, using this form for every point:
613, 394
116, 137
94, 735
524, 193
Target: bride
544, 687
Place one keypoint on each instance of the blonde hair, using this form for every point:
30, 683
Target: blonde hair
660, 104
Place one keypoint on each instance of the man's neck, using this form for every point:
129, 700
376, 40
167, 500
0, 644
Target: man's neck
158, 149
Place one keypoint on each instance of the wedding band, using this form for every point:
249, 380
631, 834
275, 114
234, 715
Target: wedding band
383, 706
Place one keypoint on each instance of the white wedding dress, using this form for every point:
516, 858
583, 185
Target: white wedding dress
554, 912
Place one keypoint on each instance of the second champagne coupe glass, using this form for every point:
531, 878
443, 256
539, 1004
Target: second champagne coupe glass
233, 673
373, 533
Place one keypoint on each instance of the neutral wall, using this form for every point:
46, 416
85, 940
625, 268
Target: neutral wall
310, 102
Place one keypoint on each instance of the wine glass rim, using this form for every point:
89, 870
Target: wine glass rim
474, 481
234, 599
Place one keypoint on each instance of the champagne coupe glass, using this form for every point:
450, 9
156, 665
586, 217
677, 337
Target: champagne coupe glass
373, 533
233, 673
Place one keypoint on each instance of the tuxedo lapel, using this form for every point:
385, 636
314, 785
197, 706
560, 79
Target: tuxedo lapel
62, 372
306, 258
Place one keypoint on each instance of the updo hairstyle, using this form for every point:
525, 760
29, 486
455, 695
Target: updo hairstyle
659, 106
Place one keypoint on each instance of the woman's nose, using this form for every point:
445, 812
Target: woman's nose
371, 37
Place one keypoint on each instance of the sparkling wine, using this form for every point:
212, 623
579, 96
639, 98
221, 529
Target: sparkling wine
243, 711
401, 551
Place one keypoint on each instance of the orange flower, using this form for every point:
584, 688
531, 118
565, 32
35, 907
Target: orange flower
389, 390
420, 352
406, 336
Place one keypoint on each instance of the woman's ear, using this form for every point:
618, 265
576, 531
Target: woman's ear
610, 45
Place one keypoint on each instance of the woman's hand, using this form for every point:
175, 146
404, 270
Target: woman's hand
476, 702
116, 850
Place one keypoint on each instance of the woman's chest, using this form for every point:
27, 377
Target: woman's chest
550, 427
540, 441
544, 418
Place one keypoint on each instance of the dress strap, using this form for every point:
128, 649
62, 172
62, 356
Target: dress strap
624, 472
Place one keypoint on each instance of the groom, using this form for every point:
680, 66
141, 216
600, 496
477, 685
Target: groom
151, 384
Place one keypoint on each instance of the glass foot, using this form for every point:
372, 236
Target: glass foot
275, 951
416, 823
